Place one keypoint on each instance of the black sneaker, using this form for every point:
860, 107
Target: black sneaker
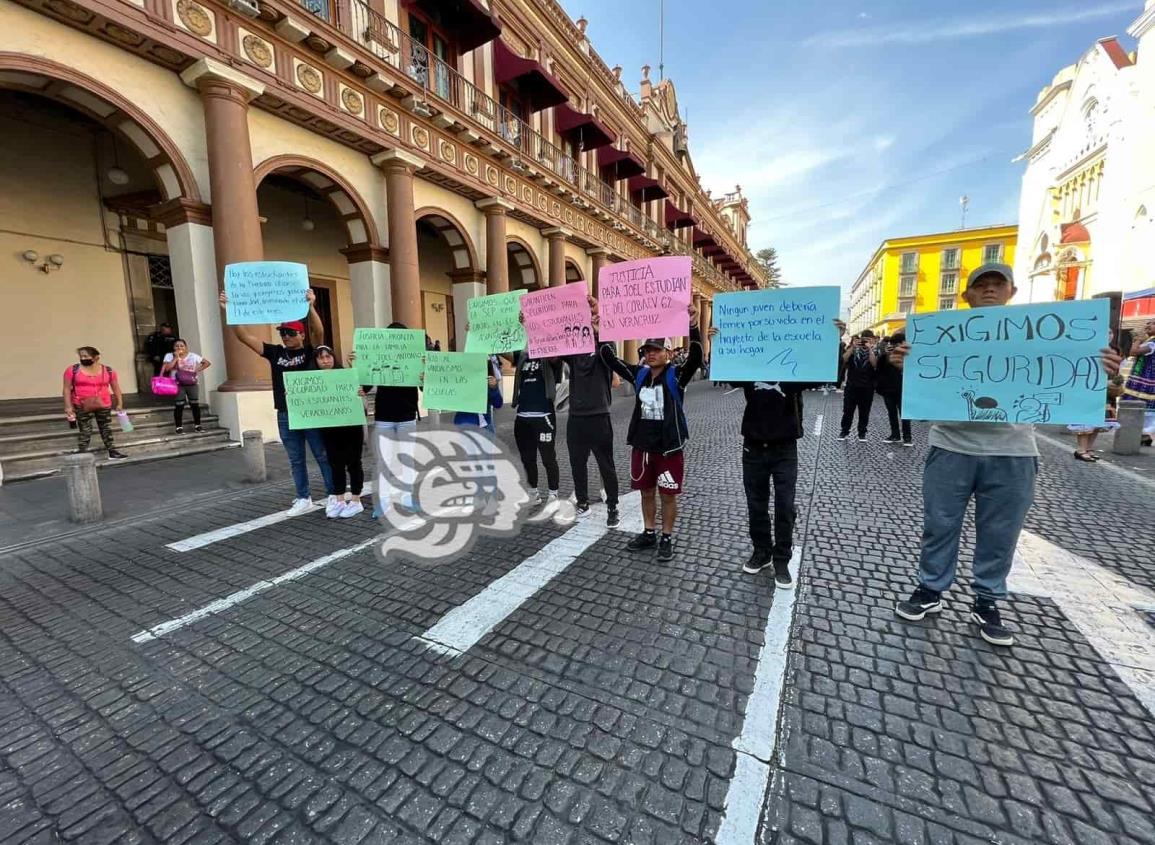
115, 455
907, 442
892, 439
985, 614
180, 429
645, 540
862, 438
582, 509
844, 435
612, 518
198, 429
783, 580
921, 602
666, 549
757, 562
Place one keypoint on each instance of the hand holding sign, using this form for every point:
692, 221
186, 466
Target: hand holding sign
261, 292
323, 399
641, 299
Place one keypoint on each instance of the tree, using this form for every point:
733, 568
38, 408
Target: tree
768, 258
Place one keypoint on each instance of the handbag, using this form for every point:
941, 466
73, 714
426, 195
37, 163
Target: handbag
162, 386
186, 377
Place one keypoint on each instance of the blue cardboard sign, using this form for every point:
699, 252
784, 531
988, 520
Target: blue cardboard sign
1011, 364
262, 292
787, 334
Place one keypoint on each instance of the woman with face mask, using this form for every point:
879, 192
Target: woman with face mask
90, 391
185, 367
343, 445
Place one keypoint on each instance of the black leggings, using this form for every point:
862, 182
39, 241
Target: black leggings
592, 434
856, 399
187, 394
536, 435
343, 447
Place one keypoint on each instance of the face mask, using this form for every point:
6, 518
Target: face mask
87, 362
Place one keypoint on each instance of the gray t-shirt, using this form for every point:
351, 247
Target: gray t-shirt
980, 438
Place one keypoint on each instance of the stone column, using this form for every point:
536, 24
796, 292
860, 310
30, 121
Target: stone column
466, 285
225, 95
404, 274
369, 284
556, 237
496, 258
599, 258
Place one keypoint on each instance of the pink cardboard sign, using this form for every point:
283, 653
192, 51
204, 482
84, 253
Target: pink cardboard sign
558, 321
643, 299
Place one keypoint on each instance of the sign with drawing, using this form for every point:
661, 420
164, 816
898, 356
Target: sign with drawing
495, 323
389, 357
557, 321
1016, 364
646, 298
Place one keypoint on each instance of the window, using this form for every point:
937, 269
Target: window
906, 286
946, 303
950, 258
905, 306
909, 262
992, 252
949, 283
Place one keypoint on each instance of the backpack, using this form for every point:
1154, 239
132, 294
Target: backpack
91, 403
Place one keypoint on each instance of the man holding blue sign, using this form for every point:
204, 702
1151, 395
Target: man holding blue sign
988, 458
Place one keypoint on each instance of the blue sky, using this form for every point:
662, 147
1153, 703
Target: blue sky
861, 121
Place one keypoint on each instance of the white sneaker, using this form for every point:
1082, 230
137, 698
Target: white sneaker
535, 498
351, 508
334, 507
300, 506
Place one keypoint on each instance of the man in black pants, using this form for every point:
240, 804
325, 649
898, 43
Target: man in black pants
890, 389
590, 428
861, 372
535, 427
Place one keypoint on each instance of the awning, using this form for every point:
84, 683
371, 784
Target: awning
1139, 294
533, 82
647, 188
678, 219
702, 238
581, 127
619, 164
470, 23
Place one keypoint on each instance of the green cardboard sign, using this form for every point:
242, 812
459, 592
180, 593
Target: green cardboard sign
495, 323
389, 357
323, 399
457, 381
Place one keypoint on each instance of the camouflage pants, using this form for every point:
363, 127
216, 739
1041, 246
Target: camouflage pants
103, 419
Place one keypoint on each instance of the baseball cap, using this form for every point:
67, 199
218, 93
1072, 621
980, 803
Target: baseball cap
295, 325
656, 343
992, 267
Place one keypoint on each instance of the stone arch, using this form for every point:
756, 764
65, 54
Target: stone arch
454, 234
70, 87
351, 208
524, 271
573, 273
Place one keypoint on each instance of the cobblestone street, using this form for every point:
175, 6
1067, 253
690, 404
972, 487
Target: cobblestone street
624, 701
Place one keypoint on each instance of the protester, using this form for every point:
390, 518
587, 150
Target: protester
90, 391
535, 427
343, 447
159, 345
658, 431
293, 354
889, 387
1141, 382
185, 367
860, 360
590, 428
1085, 434
993, 462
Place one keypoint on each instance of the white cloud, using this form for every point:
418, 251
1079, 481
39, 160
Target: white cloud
923, 32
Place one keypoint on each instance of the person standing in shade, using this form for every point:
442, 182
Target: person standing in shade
343, 447
861, 362
535, 427
590, 428
1140, 384
890, 389
995, 463
159, 345
185, 367
91, 393
658, 431
293, 354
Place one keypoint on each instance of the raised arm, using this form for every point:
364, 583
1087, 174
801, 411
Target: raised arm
694, 353
316, 327
241, 333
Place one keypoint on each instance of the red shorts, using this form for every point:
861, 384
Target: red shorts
653, 469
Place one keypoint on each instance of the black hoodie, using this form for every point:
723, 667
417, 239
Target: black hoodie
773, 412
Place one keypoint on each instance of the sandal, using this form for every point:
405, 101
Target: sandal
1084, 456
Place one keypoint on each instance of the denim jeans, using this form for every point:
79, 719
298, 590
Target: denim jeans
295, 442
760, 466
391, 439
1003, 489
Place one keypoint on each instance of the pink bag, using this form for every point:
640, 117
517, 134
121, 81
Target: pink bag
162, 386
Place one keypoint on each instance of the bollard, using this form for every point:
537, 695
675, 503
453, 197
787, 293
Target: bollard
1129, 434
254, 448
83, 488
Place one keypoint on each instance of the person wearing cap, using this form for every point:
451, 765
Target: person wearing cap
995, 463
658, 430
293, 353
860, 360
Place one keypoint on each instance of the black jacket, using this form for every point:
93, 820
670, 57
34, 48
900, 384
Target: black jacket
589, 384
675, 431
551, 370
889, 376
773, 412
860, 372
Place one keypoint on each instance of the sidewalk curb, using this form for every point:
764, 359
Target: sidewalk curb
1128, 473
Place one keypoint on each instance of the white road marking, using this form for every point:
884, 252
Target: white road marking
755, 745
209, 537
1130, 475
731, 390
1099, 602
818, 426
461, 628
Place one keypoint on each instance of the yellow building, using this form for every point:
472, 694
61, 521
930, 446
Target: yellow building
923, 273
